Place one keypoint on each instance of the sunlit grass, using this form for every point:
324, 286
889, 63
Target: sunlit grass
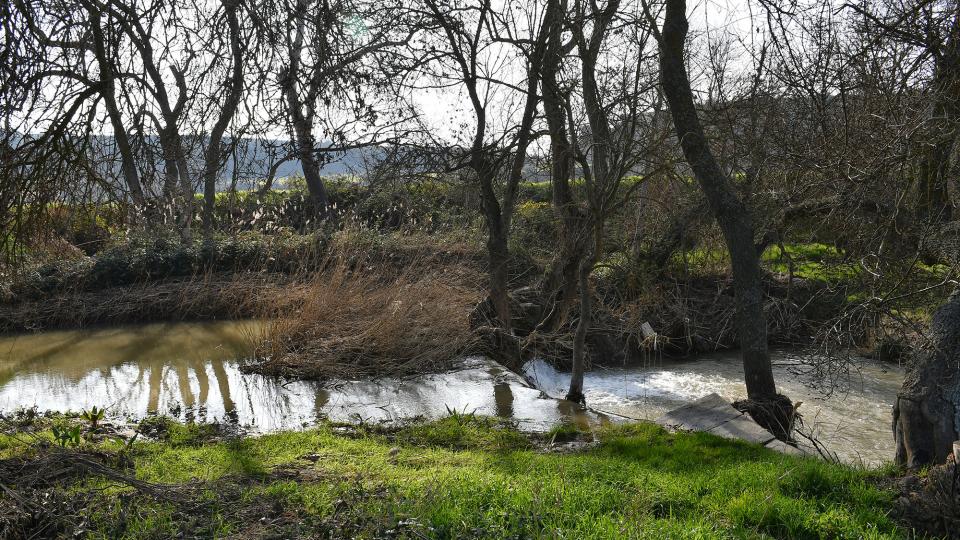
465, 476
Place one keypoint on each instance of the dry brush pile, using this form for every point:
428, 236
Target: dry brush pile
360, 316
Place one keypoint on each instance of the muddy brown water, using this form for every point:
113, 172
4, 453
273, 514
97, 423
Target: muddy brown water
192, 371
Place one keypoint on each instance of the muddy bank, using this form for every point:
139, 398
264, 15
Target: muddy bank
215, 297
369, 326
689, 318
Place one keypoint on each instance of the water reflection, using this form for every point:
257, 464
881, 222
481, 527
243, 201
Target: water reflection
191, 370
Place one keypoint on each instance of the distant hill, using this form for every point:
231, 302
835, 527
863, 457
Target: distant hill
255, 156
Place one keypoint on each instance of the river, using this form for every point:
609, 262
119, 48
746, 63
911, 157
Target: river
192, 371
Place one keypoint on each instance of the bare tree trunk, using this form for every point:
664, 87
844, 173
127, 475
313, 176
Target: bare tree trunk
177, 184
926, 417
108, 92
561, 282
171, 142
575, 393
308, 159
733, 216
499, 256
212, 159
303, 123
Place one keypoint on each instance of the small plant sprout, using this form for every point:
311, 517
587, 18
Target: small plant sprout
461, 417
93, 416
65, 434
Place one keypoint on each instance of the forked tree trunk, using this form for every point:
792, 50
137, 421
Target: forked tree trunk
561, 282
926, 416
109, 95
230, 105
303, 123
735, 222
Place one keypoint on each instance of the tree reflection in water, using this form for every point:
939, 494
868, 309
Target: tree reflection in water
193, 371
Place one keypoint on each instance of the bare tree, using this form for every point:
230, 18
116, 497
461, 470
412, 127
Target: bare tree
235, 89
930, 30
495, 159
73, 56
735, 219
335, 62
599, 124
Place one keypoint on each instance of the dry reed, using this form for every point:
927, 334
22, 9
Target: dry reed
358, 317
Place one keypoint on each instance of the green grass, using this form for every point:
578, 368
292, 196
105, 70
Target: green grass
466, 476
810, 261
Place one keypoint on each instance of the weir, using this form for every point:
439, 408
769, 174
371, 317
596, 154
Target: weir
715, 415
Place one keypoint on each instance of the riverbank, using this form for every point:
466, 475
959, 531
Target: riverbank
461, 476
328, 285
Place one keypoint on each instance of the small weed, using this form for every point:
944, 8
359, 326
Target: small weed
65, 434
93, 416
461, 417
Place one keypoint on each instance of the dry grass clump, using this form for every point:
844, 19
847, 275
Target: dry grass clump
357, 318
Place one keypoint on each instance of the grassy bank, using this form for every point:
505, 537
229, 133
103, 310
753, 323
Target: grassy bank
460, 477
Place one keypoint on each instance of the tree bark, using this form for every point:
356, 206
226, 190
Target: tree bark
926, 416
731, 213
935, 167
561, 282
575, 392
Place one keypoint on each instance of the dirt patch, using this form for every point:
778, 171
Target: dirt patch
930, 503
45, 494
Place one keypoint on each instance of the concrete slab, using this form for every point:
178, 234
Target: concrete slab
743, 428
703, 414
785, 448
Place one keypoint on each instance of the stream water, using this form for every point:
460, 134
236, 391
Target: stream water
854, 422
191, 371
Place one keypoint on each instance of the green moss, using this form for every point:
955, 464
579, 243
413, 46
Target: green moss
814, 261
468, 476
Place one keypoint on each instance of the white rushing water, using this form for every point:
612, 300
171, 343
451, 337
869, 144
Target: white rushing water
854, 423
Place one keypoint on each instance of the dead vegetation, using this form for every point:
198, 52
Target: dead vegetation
361, 315
36, 501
